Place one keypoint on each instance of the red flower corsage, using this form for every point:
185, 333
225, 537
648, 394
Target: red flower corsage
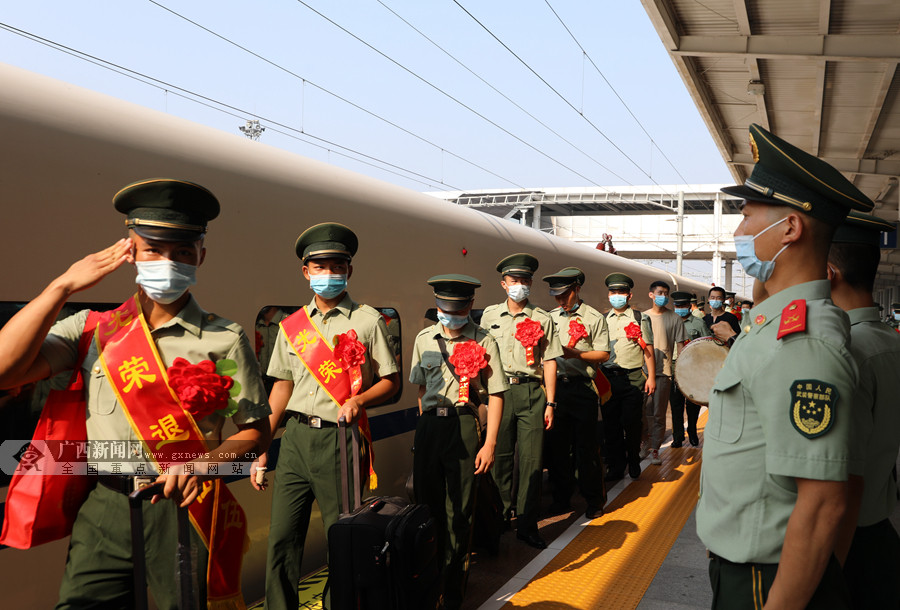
467, 359
199, 388
529, 333
577, 331
351, 354
633, 332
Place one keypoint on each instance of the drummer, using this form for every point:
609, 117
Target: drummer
694, 328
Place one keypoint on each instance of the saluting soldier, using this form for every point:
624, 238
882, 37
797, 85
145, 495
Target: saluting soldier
456, 365
572, 442
623, 412
528, 347
694, 328
315, 388
776, 446
128, 397
873, 562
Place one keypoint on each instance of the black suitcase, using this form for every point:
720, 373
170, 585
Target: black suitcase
383, 554
184, 562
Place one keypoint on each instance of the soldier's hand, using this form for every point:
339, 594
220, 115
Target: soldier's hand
94, 267
350, 410
180, 488
258, 472
722, 330
548, 418
484, 459
571, 353
650, 386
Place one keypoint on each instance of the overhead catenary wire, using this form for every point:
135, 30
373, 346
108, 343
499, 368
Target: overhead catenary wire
306, 81
446, 94
500, 93
220, 106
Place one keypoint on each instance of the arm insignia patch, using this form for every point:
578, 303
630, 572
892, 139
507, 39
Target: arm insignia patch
812, 406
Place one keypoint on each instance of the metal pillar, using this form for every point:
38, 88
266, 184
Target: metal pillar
717, 231
679, 235
536, 220
729, 267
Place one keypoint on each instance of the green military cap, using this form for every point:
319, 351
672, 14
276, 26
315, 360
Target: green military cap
619, 280
786, 175
326, 240
564, 279
693, 297
453, 291
730, 294
860, 228
519, 265
680, 297
167, 210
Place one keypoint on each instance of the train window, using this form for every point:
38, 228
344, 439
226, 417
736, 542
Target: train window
267, 328
20, 408
431, 316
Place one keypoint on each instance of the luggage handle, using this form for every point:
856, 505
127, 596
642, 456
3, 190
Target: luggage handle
346, 480
183, 564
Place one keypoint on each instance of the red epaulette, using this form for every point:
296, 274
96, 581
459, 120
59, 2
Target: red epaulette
793, 319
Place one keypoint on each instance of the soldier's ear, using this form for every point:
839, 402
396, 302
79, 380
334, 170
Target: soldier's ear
305, 271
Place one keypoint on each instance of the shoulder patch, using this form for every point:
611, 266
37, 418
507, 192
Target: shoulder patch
215, 320
368, 310
812, 406
793, 319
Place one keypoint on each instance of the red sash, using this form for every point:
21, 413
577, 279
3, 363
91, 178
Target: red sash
43, 497
318, 357
138, 377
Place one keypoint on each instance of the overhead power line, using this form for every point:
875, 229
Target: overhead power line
446, 94
238, 112
333, 94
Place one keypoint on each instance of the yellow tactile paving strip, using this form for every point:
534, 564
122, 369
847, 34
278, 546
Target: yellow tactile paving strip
613, 560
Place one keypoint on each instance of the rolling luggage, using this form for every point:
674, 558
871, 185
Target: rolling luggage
184, 583
383, 553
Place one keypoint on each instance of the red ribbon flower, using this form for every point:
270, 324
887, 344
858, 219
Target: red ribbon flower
633, 332
199, 388
577, 331
467, 360
529, 333
349, 350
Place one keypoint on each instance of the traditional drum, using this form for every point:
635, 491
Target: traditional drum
697, 366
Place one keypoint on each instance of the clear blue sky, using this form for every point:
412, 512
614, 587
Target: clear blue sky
617, 35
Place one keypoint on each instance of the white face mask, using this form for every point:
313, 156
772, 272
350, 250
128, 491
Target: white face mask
518, 292
164, 281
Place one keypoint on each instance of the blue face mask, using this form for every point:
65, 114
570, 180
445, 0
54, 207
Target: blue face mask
715, 304
164, 281
897, 317
661, 301
746, 255
451, 321
618, 301
683, 311
327, 285
574, 308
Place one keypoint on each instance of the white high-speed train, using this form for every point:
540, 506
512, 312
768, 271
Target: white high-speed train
65, 151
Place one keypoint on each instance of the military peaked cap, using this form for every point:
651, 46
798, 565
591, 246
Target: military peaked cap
786, 175
519, 265
564, 279
453, 291
619, 280
326, 240
864, 229
165, 209
680, 297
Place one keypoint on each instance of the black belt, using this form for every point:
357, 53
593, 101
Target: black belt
313, 421
721, 559
567, 379
521, 379
618, 370
450, 411
125, 484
